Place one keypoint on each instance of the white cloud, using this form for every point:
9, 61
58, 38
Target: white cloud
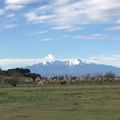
61, 27
67, 27
45, 40
67, 36
91, 37
22, 62
2, 12
118, 21
18, 4
69, 14
39, 33
42, 32
33, 17
11, 15
8, 26
49, 57
18, 61
13, 7
115, 28
12, 63
113, 60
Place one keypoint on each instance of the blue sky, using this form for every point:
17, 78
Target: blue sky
85, 29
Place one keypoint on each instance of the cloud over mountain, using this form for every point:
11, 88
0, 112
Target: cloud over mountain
113, 60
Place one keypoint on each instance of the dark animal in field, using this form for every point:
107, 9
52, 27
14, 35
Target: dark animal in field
63, 82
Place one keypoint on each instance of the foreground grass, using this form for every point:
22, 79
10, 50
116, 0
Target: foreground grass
60, 103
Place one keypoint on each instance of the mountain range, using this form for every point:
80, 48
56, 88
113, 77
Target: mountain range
75, 67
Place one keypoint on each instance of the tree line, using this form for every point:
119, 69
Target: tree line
13, 76
24, 76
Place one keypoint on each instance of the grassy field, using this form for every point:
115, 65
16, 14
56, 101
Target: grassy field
60, 103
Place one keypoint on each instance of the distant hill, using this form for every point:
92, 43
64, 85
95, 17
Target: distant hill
71, 67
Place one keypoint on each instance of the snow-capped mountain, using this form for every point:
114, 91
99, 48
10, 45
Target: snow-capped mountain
73, 67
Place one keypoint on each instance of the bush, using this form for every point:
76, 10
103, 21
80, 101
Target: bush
13, 81
110, 75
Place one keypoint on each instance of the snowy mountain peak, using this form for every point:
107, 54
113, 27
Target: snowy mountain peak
88, 62
73, 67
73, 62
70, 62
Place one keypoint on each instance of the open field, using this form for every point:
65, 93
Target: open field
60, 103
